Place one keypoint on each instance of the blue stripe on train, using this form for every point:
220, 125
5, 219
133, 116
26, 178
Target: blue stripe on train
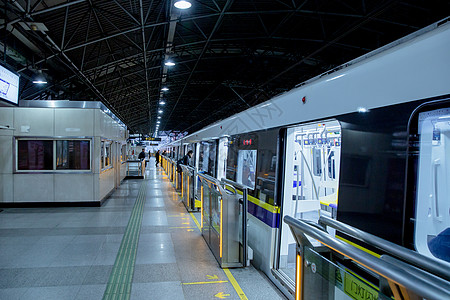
269, 218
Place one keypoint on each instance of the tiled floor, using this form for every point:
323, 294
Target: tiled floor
69, 253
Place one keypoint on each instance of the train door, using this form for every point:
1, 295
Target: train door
432, 209
310, 184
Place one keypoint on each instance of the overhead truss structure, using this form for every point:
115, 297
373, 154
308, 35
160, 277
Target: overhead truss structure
229, 54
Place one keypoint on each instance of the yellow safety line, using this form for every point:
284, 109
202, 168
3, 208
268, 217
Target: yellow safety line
359, 247
195, 220
184, 227
236, 286
262, 204
205, 282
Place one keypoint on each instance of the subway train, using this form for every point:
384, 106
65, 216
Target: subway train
365, 143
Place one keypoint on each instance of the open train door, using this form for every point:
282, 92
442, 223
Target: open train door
309, 186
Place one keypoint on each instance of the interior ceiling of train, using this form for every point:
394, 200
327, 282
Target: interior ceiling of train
228, 54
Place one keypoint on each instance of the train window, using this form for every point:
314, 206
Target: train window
34, 155
246, 168
263, 147
73, 154
432, 229
207, 158
356, 171
311, 180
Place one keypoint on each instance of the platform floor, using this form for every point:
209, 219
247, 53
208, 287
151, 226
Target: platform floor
141, 244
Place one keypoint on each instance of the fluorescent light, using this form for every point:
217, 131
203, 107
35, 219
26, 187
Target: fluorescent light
165, 89
336, 77
157, 122
169, 63
159, 117
182, 4
40, 81
160, 111
362, 110
162, 102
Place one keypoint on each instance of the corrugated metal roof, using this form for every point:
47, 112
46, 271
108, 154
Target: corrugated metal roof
94, 50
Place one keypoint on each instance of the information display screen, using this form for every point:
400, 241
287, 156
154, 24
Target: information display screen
9, 86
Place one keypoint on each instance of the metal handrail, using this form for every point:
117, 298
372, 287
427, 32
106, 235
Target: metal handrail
411, 281
244, 212
432, 280
210, 178
233, 183
433, 266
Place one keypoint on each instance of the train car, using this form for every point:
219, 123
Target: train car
365, 143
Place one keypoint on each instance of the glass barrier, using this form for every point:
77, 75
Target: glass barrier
325, 280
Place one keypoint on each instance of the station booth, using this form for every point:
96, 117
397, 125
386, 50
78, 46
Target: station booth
60, 153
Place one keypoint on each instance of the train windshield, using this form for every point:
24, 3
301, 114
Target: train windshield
432, 230
311, 179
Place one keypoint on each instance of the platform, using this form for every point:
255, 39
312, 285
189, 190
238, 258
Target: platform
141, 244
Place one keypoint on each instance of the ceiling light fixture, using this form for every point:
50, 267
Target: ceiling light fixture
157, 122
40, 78
169, 63
159, 117
162, 102
40, 81
160, 111
165, 89
182, 4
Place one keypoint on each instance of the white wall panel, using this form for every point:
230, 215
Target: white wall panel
6, 188
74, 122
96, 153
6, 119
106, 184
74, 187
6, 154
34, 121
33, 188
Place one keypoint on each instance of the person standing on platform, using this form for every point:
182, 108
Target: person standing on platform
142, 155
185, 160
157, 158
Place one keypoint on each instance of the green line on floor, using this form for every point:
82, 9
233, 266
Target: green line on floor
121, 277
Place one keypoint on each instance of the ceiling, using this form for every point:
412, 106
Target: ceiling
229, 55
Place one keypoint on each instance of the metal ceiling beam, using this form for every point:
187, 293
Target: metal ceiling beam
216, 26
74, 68
33, 13
144, 54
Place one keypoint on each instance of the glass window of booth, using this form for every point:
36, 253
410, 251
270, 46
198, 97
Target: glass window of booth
105, 154
123, 155
73, 154
34, 155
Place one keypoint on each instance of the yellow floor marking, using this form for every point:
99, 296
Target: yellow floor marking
236, 286
205, 282
195, 220
184, 227
221, 295
230, 276
210, 277
186, 223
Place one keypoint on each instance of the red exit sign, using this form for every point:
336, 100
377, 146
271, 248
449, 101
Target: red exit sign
247, 142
